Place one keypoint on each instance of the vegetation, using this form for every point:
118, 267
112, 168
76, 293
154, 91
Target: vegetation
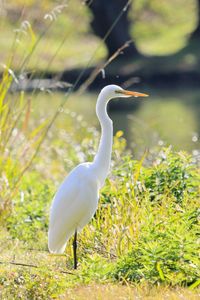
144, 238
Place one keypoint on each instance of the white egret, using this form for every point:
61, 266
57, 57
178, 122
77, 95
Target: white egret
77, 198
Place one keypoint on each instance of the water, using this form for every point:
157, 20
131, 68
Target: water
166, 117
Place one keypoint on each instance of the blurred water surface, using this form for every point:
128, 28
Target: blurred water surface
167, 117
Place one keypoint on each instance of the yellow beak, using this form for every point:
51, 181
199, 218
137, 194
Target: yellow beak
132, 93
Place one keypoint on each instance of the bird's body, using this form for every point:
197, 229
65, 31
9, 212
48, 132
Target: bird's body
77, 198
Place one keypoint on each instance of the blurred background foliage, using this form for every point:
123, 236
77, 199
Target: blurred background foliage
157, 27
162, 27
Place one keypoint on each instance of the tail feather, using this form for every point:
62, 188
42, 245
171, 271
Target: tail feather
58, 249
56, 245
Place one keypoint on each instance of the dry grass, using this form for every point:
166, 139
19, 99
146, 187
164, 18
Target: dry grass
125, 292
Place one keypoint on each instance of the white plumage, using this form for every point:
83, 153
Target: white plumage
73, 206
77, 198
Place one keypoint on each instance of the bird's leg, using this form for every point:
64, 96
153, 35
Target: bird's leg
74, 249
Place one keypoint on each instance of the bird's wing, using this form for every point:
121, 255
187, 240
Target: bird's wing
73, 206
61, 223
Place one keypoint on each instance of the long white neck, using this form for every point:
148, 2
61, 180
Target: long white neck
102, 159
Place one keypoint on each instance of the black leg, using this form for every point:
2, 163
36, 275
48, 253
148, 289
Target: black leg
74, 249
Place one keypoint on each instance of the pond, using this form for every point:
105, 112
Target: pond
166, 117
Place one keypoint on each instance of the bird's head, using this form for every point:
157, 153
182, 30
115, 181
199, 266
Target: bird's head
115, 91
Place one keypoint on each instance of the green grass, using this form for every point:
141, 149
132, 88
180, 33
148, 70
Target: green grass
145, 230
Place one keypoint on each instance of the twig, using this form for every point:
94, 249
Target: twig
30, 266
18, 264
98, 69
